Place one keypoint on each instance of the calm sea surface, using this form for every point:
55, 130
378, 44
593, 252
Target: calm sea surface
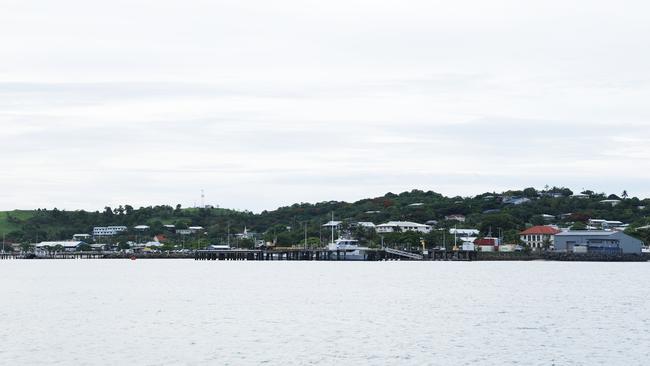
170, 312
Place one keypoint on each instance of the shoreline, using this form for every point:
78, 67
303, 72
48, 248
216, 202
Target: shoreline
253, 255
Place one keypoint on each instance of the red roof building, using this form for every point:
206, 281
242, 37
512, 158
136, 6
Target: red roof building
487, 244
538, 237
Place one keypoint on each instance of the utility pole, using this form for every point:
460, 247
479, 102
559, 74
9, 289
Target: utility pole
444, 239
332, 226
305, 234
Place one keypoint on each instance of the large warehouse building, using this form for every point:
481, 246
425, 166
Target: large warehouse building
596, 241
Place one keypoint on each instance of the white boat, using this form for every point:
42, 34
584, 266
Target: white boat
348, 249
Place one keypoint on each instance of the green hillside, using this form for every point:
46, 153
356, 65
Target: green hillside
491, 212
13, 220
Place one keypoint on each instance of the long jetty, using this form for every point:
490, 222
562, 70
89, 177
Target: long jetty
329, 255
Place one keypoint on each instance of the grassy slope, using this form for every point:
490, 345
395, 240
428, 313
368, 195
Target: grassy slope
6, 226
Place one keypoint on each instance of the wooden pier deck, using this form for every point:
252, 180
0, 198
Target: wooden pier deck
328, 255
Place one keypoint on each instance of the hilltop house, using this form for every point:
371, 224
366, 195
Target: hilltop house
455, 217
332, 224
606, 224
537, 236
612, 202
108, 230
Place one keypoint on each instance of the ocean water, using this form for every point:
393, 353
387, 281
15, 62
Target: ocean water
185, 312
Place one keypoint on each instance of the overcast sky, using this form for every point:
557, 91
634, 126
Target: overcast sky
267, 103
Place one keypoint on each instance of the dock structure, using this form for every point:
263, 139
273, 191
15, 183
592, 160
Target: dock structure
283, 254
328, 255
9, 255
53, 255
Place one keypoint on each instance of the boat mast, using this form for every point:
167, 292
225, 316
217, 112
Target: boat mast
332, 226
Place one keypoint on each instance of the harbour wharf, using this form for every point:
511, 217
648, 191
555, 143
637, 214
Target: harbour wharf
329, 255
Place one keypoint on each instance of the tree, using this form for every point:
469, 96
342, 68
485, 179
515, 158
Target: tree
504, 221
84, 247
530, 192
579, 225
128, 210
123, 246
247, 243
546, 244
624, 194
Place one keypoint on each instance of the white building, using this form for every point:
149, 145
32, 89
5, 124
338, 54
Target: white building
456, 217
595, 224
68, 246
194, 229
465, 235
397, 226
537, 237
141, 227
611, 202
108, 230
334, 224
79, 237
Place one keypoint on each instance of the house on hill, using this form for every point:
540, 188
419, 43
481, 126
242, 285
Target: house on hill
455, 217
400, 226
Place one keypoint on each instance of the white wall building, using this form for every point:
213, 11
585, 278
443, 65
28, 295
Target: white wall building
108, 230
397, 226
459, 218
68, 246
464, 235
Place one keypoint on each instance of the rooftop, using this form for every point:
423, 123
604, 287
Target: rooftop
401, 223
586, 232
540, 230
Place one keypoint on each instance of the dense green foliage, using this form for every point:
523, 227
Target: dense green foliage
488, 212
